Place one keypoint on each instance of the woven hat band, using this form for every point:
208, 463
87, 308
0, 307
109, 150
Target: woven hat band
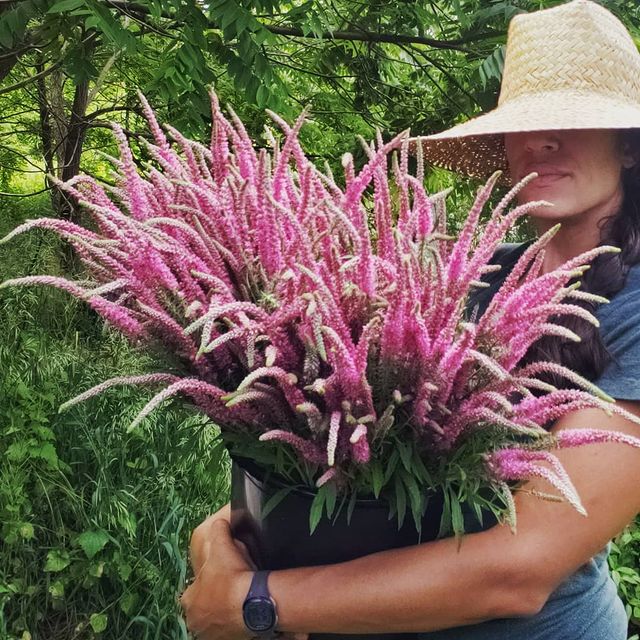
585, 49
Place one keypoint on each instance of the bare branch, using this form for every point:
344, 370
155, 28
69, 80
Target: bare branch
24, 195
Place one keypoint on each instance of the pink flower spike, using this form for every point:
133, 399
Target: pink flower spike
307, 449
361, 451
333, 438
579, 437
190, 386
149, 378
519, 464
359, 432
118, 316
325, 477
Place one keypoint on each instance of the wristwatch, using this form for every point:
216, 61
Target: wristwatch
259, 608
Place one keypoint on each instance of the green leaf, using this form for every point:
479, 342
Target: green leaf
124, 570
419, 471
274, 501
377, 478
66, 5
477, 510
264, 36
445, 520
17, 451
457, 519
415, 498
242, 21
111, 28
391, 466
26, 531
47, 452
98, 622
79, 66
405, 454
92, 542
56, 589
6, 37
317, 506
262, 96
96, 569
401, 500
352, 504
332, 493
338, 511
57, 560
128, 602
229, 17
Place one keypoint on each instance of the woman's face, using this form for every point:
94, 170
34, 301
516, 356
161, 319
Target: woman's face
579, 171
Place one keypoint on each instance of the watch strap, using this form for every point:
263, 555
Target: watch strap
259, 587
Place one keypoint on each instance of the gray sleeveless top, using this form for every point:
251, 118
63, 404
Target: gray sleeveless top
586, 606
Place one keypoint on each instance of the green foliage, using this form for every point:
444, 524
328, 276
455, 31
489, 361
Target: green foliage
94, 522
624, 563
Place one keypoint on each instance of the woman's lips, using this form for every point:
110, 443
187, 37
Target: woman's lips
547, 179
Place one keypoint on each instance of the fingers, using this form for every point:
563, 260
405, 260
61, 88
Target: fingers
223, 512
242, 547
198, 547
198, 550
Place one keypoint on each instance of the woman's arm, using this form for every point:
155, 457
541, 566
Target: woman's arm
438, 584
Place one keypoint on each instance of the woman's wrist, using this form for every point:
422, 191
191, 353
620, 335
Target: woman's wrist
237, 594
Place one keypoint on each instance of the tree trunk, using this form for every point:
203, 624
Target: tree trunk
74, 141
46, 133
62, 139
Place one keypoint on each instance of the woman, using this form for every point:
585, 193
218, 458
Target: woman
570, 95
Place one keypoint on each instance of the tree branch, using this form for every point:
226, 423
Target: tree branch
99, 112
361, 36
24, 195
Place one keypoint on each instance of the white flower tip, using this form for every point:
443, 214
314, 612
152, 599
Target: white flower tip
325, 477
270, 355
132, 427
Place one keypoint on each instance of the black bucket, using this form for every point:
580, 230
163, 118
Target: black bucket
282, 539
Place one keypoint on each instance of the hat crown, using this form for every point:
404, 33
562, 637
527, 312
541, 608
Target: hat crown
578, 46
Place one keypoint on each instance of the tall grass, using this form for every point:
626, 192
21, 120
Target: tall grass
94, 520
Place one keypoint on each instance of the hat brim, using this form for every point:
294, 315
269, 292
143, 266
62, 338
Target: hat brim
476, 147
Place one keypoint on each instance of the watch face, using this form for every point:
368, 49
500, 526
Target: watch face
259, 614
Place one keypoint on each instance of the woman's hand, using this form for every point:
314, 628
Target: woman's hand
223, 571
213, 602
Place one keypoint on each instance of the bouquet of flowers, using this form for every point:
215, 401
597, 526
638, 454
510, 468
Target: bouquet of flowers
321, 323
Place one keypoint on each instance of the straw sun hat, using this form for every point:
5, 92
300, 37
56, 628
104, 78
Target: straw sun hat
573, 66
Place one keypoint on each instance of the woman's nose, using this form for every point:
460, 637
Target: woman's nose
537, 141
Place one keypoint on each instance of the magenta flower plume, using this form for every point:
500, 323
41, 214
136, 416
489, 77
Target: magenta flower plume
520, 464
308, 450
579, 437
149, 378
293, 320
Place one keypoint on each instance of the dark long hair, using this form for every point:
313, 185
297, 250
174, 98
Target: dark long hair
607, 276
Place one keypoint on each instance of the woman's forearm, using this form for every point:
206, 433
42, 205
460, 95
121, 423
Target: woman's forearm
420, 588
